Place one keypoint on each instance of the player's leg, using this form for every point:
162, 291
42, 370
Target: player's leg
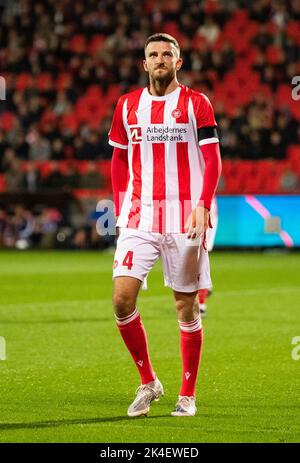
186, 269
125, 293
134, 257
130, 325
190, 346
200, 301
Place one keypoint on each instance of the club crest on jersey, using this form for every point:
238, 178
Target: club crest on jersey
136, 135
176, 113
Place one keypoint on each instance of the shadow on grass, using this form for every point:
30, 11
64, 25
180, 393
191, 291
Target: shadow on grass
56, 423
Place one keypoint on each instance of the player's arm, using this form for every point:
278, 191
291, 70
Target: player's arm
208, 140
119, 164
212, 173
119, 176
198, 222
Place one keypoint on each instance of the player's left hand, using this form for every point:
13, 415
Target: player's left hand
197, 222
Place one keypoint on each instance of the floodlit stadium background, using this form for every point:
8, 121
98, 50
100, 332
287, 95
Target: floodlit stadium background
64, 64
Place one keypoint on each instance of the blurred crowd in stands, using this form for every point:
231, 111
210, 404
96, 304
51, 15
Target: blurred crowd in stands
42, 227
66, 62
21, 228
30, 179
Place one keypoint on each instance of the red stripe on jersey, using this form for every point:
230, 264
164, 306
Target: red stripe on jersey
157, 112
132, 106
184, 188
182, 106
135, 210
159, 188
203, 110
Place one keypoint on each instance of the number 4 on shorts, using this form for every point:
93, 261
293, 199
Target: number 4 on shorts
127, 262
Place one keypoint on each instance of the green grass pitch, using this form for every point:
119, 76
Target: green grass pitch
69, 378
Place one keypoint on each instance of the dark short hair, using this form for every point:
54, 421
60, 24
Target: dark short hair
162, 37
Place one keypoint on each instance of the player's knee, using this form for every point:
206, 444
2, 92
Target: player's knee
196, 309
123, 304
185, 308
180, 306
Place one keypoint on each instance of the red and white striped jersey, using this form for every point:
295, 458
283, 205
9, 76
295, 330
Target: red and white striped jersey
163, 135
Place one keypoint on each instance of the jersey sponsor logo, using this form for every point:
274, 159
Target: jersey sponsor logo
136, 135
176, 113
166, 134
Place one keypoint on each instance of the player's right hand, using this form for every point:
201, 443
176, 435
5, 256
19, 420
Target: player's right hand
197, 222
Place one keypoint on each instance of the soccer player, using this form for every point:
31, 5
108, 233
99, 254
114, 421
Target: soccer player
163, 210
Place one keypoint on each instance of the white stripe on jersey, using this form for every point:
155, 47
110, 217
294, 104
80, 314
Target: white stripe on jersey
144, 118
207, 141
117, 145
197, 165
172, 192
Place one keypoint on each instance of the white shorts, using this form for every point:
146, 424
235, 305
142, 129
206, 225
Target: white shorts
185, 262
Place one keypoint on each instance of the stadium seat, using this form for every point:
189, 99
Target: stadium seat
44, 168
24, 80
78, 43
112, 94
94, 93
105, 170
283, 95
82, 166
274, 54
171, 27
233, 185
240, 16
292, 30
96, 44
63, 81
44, 82
96, 194
294, 152
70, 122
2, 183
7, 120
294, 158
295, 109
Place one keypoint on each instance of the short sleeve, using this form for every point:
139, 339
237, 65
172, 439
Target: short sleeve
205, 119
117, 134
204, 112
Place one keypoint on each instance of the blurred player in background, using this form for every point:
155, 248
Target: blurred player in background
210, 241
157, 132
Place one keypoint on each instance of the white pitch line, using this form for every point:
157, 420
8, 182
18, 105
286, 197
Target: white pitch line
246, 292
